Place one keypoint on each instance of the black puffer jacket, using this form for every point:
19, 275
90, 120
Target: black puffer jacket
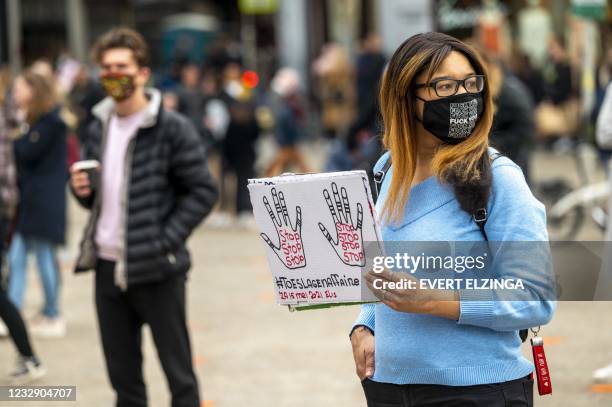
168, 192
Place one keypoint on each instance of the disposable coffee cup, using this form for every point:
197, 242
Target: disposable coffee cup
92, 168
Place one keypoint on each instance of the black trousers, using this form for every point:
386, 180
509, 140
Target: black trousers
514, 393
244, 169
8, 312
121, 316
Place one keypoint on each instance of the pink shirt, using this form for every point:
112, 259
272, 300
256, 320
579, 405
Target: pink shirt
110, 228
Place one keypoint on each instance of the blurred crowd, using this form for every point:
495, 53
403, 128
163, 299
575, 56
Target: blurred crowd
45, 109
232, 108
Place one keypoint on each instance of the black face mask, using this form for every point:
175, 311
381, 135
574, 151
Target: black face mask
452, 119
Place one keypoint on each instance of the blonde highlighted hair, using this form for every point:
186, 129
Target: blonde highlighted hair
463, 164
44, 95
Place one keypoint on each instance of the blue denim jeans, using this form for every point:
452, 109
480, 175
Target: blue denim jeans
44, 251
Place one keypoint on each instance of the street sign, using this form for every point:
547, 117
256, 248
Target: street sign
258, 6
595, 9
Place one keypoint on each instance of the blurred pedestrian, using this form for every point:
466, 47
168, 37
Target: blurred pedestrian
190, 98
41, 157
362, 146
558, 73
604, 79
370, 65
215, 120
63, 81
170, 101
364, 141
152, 189
513, 131
85, 94
334, 74
44, 67
558, 114
238, 148
531, 77
603, 134
289, 121
28, 367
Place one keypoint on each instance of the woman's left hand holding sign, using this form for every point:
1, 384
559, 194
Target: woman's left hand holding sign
402, 292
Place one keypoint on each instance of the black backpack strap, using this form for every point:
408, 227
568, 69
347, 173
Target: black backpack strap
379, 177
481, 214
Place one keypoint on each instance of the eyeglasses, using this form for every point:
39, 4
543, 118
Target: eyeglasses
448, 87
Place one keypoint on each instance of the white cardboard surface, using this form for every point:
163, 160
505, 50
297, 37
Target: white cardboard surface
313, 228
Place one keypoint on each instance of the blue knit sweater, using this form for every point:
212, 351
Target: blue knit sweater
483, 346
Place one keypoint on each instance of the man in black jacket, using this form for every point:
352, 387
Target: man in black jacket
152, 189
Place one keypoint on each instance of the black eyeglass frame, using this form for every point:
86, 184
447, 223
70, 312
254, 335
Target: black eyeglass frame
458, 82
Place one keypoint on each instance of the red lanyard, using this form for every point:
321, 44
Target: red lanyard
541, 366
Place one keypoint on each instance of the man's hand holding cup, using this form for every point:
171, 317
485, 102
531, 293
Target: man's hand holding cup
83, 177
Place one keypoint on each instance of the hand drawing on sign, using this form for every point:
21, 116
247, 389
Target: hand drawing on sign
348, 243
290, 249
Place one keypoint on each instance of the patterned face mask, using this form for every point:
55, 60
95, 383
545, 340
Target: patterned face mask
452, 119
118, 86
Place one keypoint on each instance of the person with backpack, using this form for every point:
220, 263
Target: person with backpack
447, 347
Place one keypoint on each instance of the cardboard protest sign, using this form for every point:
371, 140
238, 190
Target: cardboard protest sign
314, 229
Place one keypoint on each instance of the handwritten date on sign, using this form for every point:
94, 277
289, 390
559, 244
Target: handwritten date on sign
308, 295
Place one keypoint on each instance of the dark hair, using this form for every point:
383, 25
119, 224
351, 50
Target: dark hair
466, 165
122, 37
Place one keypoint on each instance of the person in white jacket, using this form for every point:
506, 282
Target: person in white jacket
603, 129
603, 135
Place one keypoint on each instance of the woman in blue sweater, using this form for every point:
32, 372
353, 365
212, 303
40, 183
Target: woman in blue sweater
455, 346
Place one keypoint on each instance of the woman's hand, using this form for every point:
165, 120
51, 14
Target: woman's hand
363, 352
442, 303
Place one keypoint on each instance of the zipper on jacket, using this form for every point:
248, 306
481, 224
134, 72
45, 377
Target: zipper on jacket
171, 258
89, 241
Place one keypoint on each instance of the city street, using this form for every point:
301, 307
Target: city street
248, 351
118, 97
